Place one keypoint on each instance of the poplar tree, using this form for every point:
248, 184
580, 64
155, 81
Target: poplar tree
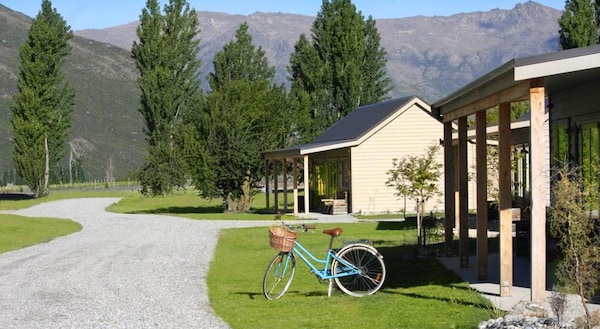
42, 113
244, 115
578, 24
341, 68
166, 56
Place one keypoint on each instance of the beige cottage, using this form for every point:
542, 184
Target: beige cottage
347, 165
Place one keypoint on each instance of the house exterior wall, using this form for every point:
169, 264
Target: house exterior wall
410, 133
579, 104
573, 108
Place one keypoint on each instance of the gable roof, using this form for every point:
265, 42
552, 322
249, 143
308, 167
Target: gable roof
355, 127
360, 121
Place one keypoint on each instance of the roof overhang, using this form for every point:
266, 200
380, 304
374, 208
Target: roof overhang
566, 61
512, 81
292, 152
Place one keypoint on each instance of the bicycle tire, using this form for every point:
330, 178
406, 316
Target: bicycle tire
279, 275
371, 265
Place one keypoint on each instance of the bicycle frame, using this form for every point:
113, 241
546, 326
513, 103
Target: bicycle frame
325, 273
356, 268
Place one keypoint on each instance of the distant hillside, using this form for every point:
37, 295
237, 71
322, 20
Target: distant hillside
427, 56
105, 115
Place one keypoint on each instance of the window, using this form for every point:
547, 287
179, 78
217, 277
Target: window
589, 161
559, 144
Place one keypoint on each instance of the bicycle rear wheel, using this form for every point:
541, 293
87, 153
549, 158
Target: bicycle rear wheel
279, 275
370, 264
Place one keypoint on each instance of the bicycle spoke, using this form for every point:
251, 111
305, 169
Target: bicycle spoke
371, 271
279, 275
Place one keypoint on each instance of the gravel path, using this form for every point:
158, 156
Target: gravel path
120, 271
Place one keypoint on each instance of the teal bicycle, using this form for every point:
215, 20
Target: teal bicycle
357, 268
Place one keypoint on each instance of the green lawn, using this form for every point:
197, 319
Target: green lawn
66, 194
418, 292
188, 204
19, 232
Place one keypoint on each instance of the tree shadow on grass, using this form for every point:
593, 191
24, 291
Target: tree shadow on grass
458, 301
407, 224
217, 209
314, 293
184, 210
406, 268
16, 196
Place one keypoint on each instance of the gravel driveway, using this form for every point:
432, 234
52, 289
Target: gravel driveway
120, 271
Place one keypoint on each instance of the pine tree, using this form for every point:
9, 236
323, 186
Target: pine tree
578, 24
341, 68
244, 115
42, 113
166, 56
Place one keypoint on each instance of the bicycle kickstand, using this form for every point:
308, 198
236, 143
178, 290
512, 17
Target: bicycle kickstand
330, 287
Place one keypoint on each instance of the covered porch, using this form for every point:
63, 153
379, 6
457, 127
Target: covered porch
558, 86
323, 173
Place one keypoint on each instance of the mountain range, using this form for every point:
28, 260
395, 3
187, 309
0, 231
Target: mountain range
427, 56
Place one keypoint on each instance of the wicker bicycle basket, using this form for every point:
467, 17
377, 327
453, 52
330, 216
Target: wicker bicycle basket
282, 239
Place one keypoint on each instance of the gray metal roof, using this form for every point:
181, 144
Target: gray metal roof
350, 129
361, 121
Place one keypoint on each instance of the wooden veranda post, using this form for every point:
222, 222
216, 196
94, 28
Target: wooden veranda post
538, 203
448, 187
482, 206
295, 180
306, 186
275, 186
505, 200
463, 193
285, 185
267, 183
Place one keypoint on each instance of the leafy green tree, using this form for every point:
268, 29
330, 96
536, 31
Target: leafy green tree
240, 60
578, 24
340, 69
376, 83
166, 56
416, 177
42, 113
244, 115
307, 95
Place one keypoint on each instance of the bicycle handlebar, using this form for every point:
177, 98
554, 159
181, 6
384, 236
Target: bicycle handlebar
304, 227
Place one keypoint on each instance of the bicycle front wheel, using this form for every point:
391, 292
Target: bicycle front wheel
371, 270
279, 275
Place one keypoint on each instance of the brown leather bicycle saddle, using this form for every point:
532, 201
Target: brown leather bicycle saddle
334, 232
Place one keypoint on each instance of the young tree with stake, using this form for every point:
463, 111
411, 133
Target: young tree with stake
417, 177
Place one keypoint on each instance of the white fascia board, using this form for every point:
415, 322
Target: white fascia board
327, 147
560, 66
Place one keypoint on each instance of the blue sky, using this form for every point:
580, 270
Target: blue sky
86, 14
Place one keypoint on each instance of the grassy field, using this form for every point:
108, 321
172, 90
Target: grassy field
189, 205
419, 292
20, 232
66, 194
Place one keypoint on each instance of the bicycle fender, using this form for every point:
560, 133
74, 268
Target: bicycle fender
360, 245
